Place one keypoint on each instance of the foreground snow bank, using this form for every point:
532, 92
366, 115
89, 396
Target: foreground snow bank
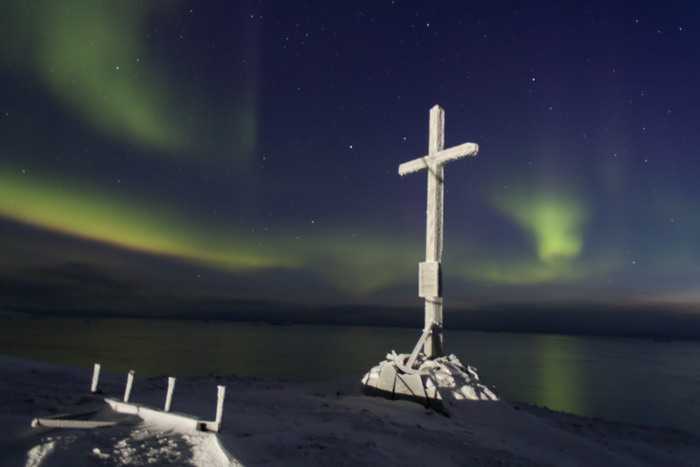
282, 424
33, 389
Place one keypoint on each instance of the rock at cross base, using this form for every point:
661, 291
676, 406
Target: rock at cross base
438, 383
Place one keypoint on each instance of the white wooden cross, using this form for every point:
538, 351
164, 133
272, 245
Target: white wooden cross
429, 273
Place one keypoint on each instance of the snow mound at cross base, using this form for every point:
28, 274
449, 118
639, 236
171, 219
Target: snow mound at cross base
436, 382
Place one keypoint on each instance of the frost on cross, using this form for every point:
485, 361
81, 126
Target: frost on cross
427, 375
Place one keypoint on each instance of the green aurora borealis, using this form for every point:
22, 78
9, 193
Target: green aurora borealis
234, 143
63, 206
552, 223
89, 56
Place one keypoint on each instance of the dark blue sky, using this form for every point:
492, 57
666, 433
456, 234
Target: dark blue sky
249, 150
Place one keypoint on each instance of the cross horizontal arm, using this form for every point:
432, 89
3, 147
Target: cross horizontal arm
439, 158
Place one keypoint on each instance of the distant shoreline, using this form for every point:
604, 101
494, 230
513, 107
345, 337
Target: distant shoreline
410, 320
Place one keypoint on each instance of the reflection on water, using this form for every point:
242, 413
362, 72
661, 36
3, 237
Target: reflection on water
633, 380
558, 374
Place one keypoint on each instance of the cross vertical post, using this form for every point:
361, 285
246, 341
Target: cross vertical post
434, 227
430, 271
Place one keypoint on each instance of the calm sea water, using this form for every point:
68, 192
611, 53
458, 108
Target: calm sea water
633, 380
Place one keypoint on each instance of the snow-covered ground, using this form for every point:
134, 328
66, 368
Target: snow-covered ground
289, 424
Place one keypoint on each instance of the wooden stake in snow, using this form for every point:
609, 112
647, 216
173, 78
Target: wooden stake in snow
72, 424
129, 383
429, 272
169, 394
95, 378
220, 395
